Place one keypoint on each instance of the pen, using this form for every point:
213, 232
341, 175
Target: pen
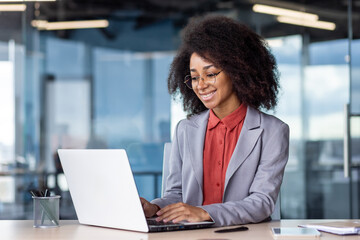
236, 229
33, 193
42, 212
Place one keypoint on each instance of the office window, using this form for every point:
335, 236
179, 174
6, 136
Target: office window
7, 106
7, 131
132, 110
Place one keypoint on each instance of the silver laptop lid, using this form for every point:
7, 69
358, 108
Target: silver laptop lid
103, 189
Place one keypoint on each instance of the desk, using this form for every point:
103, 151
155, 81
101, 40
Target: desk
69, 229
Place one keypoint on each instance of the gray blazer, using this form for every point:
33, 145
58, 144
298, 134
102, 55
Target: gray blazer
253, 176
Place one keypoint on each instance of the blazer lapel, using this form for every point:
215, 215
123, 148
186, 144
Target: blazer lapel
195, 138
249, 135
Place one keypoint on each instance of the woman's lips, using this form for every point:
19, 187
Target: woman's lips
207, 96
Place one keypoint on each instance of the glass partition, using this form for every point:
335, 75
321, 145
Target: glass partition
287, 51
354, 113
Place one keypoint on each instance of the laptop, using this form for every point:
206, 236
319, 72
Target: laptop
104, 193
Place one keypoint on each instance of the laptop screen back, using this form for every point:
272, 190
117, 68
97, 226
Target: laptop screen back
103, 189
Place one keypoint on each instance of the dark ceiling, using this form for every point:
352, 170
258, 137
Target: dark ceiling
147, 12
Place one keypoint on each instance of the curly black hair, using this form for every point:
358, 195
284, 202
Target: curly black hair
234, 48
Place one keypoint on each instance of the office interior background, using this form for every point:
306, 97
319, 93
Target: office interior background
106, 87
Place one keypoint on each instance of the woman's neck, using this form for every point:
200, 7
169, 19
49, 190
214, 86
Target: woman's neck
222, 112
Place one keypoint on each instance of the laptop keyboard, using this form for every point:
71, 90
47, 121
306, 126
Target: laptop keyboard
161, 223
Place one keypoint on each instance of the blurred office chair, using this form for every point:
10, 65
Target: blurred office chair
276, 215
165, 170
167, 150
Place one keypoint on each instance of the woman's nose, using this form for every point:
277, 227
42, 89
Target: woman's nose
201, 83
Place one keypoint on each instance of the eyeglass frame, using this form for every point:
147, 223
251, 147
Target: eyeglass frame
198, 79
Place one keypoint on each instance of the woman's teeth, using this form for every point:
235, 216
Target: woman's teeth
207, 96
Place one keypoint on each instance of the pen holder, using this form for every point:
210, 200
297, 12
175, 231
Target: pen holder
46, 211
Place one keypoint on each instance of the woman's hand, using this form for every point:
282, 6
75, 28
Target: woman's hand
180, 211
149, 208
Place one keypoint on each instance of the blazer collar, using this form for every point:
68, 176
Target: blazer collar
252, 119
199, 119
248, 138
196, 136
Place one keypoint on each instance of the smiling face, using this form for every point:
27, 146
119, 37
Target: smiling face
220, 96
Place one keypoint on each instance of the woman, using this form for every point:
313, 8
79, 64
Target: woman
227, 159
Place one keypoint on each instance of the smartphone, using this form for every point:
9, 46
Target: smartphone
294, 232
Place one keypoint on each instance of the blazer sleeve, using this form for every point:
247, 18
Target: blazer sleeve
263, 192
173, 191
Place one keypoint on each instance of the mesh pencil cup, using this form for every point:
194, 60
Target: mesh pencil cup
46, 211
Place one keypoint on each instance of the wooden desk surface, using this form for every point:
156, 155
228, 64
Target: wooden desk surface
23, 229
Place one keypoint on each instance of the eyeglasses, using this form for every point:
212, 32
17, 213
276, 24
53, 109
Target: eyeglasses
192, 82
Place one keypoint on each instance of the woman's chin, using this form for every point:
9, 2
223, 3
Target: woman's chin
209, 105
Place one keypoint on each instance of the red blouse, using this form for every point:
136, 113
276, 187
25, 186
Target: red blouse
220, 141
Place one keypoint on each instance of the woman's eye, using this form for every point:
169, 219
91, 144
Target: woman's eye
211, 75
194, 78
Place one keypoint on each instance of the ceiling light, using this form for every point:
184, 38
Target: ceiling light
40, 24
12, 7
284, 12
45, 25
27, 0
314, 24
